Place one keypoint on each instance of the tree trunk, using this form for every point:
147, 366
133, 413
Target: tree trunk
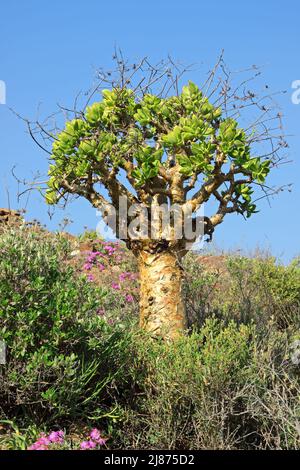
162, 310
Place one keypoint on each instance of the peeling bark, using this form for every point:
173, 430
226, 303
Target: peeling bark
162, 310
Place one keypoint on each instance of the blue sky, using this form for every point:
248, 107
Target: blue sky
50, 50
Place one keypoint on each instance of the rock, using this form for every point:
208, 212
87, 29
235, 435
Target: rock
75, 253
8, 216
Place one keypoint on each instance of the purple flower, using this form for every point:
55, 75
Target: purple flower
43, 441
129, 298
95, 434
56, 436
87, 266
110, 250
101, 441
36, 446
90, 277
127, 275
115, 285
86, 445
41, 444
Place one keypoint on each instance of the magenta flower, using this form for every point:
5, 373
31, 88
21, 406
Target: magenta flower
95, 434
41, 444
56, 437
101, 441
129, 298
110, 250
36, 446
87, 266
127, 275
115, 285
86, 445
43, 441
90, 277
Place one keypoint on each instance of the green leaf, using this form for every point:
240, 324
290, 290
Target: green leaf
51, 196
172, 138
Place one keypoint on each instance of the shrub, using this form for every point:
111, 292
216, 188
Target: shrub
247, 289
61, 354
226, 387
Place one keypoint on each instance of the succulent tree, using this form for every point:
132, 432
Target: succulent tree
155, 146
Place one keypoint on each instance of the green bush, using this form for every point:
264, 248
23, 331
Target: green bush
247, 289
226, 387
262, 289
61, 355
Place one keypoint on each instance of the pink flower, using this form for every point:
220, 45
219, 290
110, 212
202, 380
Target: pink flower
101, 311
43, 441
87, 266
33, 447
101, 267
95, 434
90, 277
127, 275
129, 298
110, 250
36, 446
41, 444
56, 436
115, 285
86, 445
101, 441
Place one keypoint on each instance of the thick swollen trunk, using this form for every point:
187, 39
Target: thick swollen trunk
162, 311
